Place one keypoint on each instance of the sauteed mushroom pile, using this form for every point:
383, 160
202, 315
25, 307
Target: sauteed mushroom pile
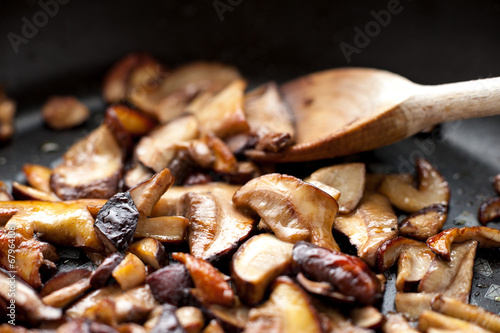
186, 234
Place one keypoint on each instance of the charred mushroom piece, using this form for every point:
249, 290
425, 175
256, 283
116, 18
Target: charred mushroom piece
4, 192
130, 272
210, 284
257, 263
102, 273
348, 275
414, 259
471, 313
372, 224
396, 323
64, 296
223, 114
64, 112
150, 251
190, 318
489, 210
293, 209
269, 118
91, 168
158, 149
451, 278
116, 222
432, 189
28, 305
68, 224
348, 178
7, 112
430, 319
413, 304
38, 176
288, 309
63, 280
23, 192
425, 223
171, 284
27, 257
442, 242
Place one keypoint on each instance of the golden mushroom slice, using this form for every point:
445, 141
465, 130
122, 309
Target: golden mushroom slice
288, 309
432, 189
4, 192
425, 223
91, 168
397, 323
257, 263
38, 176
442, 242
293, 209
369, 226
348, 178
413, 304
429, 320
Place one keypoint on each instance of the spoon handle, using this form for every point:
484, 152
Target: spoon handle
435, 104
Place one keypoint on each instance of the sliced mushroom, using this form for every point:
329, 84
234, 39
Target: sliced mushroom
27, 257
64, 112
396, 323
432, 189
165, 229
414, 259
224, 160
130, 272
367, 317
170, 284
293, 209
323, 289
133, 121
372, 224
348, 178
91, 168
451, 278
269, 118
489, 210
68, 224
257, 263
137, 174
430, 319
213, 327
81, 307
147, 193
223, 114
26, 303
287, 310
442, 242
23, 192
134, 304
64, 296
150, 251
7, 112
63, 280
83, 326
4, 192
102, 273
233, 318
167, 321
425, 223
326, 188
332, 320
210, 284
471, 313
38, 176
413, 304
158, 149
190, 318
348, 275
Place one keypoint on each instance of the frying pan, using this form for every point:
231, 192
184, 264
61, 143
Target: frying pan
429, 42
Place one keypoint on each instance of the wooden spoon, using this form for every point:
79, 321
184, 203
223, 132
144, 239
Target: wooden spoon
349, 110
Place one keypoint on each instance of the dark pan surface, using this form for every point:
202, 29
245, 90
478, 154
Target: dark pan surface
428, 42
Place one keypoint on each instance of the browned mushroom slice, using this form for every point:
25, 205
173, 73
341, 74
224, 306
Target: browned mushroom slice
130, 272
332, 320
26, 303
323, 289
158, 149
232, 318
413, 304
348, 178
396, 323
170, 284
137, 174
414, 259
91, 168
64, 112
471, 313
372, 224
269, 118
430, 319
63, 280
147, 193
367, 317
26, 256
489, 210
69, 224
102, 273
211, 286
425, 223
150, 251
451, 278
257, 263
38, 176
224, 160
4, 193
441, 243
7, 111
328, 189
64, 296
168, 229
213, 327
288, 309
190, 318
432, 189
23, 192
223, 114
133, 121
293, 209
